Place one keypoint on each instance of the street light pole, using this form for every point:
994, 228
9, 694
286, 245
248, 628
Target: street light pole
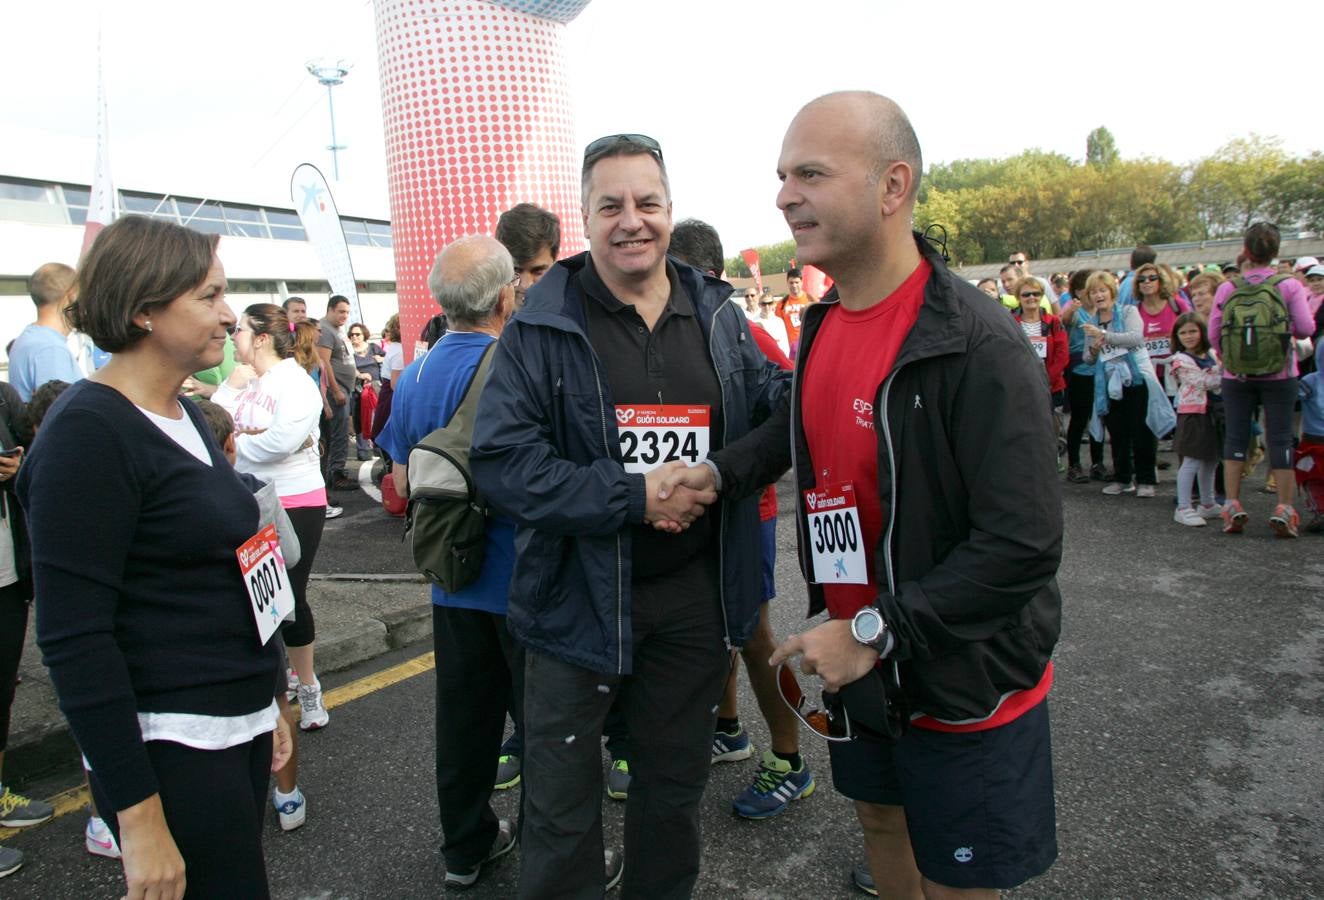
331, 73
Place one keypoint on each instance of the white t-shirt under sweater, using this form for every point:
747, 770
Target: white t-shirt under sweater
190, 729
286, 404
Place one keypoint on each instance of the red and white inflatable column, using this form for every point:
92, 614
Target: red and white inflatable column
477, 116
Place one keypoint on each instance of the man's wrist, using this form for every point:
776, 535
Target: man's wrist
717, 474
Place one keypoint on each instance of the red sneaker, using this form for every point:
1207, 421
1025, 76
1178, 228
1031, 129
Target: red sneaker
1234, 517
1285, 521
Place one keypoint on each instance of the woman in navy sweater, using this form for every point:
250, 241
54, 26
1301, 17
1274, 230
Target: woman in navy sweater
142, 614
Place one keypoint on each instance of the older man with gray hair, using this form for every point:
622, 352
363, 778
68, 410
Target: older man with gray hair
478, 663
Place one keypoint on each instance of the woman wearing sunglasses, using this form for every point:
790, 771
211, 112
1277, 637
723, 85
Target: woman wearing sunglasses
1159, 305
1046, 335
368, 359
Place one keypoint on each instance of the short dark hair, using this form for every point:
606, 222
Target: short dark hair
1143, 253
288, 300
794, 272
335, 300
136, 265
525, 229
697, 243
1003, 270
218, 420
1262, 242
622, 146
41, 401
1077, 282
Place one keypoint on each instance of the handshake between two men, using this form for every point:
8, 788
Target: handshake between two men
677, 494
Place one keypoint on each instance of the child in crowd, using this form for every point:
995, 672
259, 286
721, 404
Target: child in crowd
1309, 462
291, 806
1195, 372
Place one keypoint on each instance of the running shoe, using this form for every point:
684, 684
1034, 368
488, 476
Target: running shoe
11, 861
862, 878
614, 863
1076, 475
1145, 490
1212, 511
1316, 524
291, 684
1184, 515
731, 747
774, 787
1234, 517
313, 714
618, 779
292, 813
98, 840
508, 772
1099, 472
335, 512
17, 811
1285, 521
502, 844
345, 483
1116, 487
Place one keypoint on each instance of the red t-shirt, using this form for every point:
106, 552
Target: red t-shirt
853, 353
765, 342
791, 311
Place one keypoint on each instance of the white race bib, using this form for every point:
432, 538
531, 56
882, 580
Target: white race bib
836, 541
1158, 346
653, 435
1112, 353
1040, 345
268, 584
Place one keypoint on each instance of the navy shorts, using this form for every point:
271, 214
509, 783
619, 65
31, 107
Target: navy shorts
979, 805
768, 533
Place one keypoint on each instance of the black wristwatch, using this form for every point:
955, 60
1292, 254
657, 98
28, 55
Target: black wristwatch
869, 629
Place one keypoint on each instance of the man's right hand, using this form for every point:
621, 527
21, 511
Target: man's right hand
669, 503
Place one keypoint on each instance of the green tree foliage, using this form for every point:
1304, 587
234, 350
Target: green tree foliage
1100, 148
1050, 206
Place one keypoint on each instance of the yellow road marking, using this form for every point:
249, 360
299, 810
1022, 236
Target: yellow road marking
76, 798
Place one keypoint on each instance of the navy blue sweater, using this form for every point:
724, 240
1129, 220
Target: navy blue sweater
140, 603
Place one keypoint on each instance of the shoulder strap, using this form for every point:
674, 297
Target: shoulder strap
468, 408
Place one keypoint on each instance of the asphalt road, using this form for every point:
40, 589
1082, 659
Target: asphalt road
1188, 717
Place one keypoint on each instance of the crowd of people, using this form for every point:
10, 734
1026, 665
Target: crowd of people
1142, 360
625, 415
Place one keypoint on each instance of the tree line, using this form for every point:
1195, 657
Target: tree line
1051, 206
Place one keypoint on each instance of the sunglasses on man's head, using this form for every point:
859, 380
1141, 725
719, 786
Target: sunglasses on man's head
611, 140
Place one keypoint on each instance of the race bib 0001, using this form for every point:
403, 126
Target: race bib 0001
653, 435
836, 542
267, 582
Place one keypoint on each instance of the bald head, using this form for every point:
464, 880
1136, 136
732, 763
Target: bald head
51, 284
469, 277
882, 129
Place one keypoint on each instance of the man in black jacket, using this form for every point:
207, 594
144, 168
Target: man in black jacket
938, 568
621, 366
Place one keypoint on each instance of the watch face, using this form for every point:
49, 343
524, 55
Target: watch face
868, 626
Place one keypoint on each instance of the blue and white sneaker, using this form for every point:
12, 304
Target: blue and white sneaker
731, 747
774, 787
292, 812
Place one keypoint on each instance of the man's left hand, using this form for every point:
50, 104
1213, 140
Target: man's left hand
829, 651
9, 465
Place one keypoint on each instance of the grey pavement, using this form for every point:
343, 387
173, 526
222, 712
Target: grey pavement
1188, 717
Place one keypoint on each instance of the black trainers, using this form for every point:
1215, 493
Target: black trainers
615, 866
862, 878
11, 861
501, 845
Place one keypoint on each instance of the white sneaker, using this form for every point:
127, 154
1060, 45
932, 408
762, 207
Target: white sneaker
1212, 511
1186, 516
1145, 490
313, 714
98, 839
335, 512
292, 812
1116, 487
291, 684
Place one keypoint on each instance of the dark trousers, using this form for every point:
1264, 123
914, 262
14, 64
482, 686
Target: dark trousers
308, 522
1080, 397
214, 801
478, 665
335, 432
15, 599
1135, 449
618, 736
679, 670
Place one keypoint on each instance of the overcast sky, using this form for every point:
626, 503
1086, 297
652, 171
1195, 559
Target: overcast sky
213, 99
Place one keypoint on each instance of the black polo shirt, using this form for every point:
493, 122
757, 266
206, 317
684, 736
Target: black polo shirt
668, 365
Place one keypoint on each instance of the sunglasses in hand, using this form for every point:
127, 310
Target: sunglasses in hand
880, 708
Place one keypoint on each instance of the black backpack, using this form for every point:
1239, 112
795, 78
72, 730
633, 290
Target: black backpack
446, 519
